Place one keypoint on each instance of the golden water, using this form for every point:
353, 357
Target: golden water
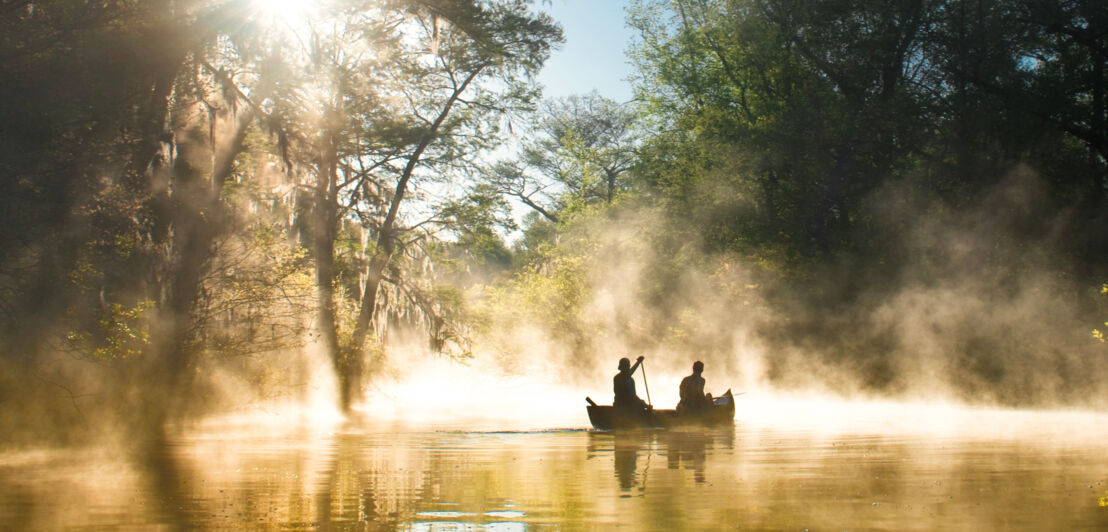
790, 466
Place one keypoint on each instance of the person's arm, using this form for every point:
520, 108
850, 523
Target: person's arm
637, 362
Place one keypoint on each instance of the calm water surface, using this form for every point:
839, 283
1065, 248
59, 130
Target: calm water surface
889, 469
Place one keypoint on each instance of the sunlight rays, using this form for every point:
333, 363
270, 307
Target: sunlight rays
288, 15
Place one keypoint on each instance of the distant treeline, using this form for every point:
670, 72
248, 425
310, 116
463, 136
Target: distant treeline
869, 197
929, 177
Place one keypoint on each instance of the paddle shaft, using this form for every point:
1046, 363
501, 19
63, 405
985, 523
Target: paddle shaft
646, 384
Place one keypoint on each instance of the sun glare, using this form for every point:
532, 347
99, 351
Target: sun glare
291, 13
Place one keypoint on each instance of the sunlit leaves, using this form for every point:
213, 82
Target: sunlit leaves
122, 333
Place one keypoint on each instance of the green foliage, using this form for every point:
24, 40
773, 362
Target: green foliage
809, 160
477, 221
578, 154
121, 333
171, 170
256, 296
801, 111
554, 291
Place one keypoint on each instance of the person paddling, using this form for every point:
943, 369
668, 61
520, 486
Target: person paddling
624, 386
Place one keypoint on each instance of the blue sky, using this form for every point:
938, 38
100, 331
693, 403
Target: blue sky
594, 54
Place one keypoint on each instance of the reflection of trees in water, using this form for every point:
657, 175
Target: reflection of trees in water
165, 477
346, 493
309, 479
323, 496
763, 479
303, 480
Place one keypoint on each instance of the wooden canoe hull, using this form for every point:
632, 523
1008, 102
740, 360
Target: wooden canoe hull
606, 417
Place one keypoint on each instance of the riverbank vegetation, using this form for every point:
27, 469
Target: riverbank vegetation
866, 198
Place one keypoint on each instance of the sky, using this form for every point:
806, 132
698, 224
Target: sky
594, 54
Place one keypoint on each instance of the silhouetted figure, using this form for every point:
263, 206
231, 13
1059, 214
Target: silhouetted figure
624, 386
693, 398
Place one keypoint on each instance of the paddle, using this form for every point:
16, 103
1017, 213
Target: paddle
646, 384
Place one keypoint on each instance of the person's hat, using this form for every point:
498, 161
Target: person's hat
624, 363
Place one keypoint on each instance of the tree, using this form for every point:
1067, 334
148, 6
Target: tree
580, 149
393, 118
130, 128
799, 94
509, 49
143, 131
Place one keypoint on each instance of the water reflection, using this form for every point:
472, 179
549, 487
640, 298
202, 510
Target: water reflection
689, 448
399, 478
680, 449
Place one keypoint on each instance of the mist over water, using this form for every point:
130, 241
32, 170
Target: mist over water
977, 316
790, 462
436, 391
501, 441
973, 304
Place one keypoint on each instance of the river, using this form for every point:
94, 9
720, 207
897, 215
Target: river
785, 465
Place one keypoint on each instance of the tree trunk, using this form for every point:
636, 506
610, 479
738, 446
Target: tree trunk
196, 215
611, 176
1099, 133
325, 219
770, 184
831, 197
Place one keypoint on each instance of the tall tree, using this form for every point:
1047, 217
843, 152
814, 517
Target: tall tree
404, 97
509, 48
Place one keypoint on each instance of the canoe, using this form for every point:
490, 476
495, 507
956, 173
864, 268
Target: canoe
607, 417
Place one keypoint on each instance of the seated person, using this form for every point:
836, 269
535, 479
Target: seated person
624, 386
693, 398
